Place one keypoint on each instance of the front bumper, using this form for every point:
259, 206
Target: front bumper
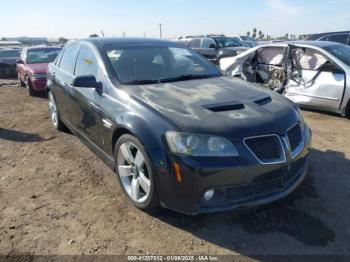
39, 84
237, 182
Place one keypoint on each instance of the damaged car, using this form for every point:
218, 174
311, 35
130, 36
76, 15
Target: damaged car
313, 74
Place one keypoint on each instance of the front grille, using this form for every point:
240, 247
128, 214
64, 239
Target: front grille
295, 137
264, 188
244, 192
267, 149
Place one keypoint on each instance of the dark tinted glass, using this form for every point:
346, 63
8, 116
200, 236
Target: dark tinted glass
68, 59
342, 52
86, 62
339, 38
226, 42
158, 63
195, 43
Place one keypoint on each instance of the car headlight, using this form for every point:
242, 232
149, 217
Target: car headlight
39, 76
200, 145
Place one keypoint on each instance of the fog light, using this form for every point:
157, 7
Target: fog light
208, 195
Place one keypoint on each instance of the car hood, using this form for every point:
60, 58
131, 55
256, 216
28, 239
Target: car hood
38, 68
220, 106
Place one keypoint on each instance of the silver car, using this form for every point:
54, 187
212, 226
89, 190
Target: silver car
312, 74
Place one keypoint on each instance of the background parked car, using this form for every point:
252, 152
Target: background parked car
8, 59
215, 47
32, 67
313, 74
246, 40
339, 37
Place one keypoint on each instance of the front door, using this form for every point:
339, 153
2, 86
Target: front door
87, 116
315, 80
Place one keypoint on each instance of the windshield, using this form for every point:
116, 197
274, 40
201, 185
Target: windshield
158, 64
342, 52
227, 42
37, 56
10, 53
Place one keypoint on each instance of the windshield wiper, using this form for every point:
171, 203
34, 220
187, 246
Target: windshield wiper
185, 77
142, 82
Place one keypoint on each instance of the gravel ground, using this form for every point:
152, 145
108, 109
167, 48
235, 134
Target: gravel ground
58, 198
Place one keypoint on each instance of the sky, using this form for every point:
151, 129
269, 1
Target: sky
80, 18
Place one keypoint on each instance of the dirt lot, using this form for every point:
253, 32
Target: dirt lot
56, 198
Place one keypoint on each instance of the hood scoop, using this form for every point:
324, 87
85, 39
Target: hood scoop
224, 107
263, 100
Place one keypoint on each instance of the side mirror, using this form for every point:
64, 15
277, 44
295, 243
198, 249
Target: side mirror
88, 81
212, 46
333, 68
19, 62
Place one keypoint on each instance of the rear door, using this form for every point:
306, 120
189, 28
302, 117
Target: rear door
196, 45
315, 80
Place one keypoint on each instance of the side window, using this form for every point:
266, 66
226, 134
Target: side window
195, 43
324, 38
86, 62
207, 43
58, 58
341, 38
307, 59
69, 56
271, 55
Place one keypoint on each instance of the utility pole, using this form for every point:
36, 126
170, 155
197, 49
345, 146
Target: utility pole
160, 30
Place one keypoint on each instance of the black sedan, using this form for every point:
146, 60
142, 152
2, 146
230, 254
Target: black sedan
177, 133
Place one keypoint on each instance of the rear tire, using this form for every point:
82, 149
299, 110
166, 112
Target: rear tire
55, 118
135, 173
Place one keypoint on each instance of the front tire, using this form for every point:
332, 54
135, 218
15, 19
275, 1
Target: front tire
135, 172
20, 82
30, 89
55, 118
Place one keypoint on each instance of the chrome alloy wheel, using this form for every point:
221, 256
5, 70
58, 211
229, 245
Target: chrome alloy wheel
133, 172
53, 110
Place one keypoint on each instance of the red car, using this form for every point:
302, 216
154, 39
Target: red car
32, 67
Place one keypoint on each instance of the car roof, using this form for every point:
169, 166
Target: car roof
318, 35
310, 43
125, 40
43, 47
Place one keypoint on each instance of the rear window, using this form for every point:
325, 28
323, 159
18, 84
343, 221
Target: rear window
341, 38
